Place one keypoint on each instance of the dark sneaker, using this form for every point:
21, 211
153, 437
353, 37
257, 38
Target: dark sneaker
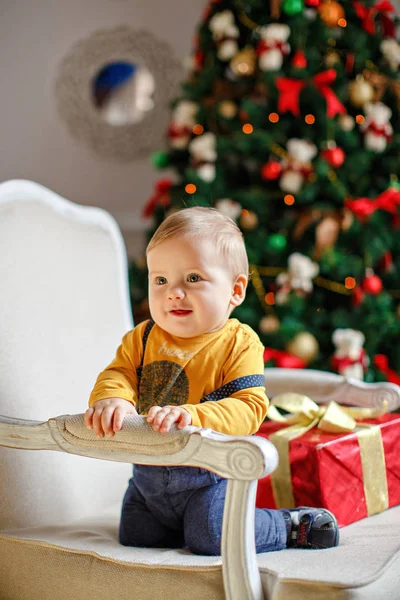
315, 528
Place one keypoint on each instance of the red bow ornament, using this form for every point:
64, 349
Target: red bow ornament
365, 207
382, 363
289, 99
367, 16
160, 197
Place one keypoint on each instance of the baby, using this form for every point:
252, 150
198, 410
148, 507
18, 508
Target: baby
191, 364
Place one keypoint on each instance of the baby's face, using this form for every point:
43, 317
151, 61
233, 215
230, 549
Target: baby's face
191, 290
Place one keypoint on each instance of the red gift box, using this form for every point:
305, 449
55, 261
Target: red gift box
330, 470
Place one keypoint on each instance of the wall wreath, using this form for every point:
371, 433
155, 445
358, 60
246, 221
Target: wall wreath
74, 91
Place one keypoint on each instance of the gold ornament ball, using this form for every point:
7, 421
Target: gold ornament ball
330, 13
243, 63
304, 346
227, 109
248, 220
332, 59
360, 92
269, 324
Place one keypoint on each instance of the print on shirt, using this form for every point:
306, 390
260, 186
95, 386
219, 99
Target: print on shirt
162, 382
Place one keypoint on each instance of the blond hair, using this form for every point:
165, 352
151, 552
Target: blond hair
209, 223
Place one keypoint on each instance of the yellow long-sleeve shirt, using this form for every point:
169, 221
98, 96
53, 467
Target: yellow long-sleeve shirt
183, 371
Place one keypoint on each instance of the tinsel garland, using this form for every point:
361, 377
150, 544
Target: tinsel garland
333, 286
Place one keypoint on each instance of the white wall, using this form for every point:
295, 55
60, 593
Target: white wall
35, 143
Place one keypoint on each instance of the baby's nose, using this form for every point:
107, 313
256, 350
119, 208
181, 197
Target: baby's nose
175, 293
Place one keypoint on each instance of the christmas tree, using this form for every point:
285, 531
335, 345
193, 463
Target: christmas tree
289, 123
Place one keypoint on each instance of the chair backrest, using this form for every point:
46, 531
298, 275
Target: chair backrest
64, 307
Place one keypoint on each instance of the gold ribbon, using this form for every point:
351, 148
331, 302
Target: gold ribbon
333, 418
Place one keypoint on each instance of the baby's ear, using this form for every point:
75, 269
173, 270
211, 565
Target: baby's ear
239, 290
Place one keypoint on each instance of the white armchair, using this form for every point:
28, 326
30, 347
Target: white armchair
65, 307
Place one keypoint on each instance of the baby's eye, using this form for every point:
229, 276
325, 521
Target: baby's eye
192, 278
161, 280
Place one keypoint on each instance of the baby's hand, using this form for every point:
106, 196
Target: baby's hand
162, 417
106, 416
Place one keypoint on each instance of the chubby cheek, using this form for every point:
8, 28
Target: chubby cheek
155, 301
211, 304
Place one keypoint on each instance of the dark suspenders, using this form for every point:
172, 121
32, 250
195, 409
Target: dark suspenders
241, 383
146, 334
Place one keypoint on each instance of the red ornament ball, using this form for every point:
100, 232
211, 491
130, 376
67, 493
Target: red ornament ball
299, 60
357, 296
372, 285
334, 156
271, 170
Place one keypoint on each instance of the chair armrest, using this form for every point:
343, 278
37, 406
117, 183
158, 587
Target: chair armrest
231, 457
241, 460
323, 387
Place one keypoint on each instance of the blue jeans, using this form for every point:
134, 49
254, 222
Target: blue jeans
176, 507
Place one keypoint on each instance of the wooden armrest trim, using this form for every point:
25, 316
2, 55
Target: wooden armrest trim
26, 435
323, 387
244, 458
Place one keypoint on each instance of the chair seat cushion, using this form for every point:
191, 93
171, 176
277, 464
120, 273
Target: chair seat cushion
83, 561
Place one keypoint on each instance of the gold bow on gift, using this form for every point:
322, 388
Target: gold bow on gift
333, 418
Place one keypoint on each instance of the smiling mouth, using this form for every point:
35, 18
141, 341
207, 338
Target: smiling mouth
180, 313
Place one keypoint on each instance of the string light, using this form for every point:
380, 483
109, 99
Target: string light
267, 299
289, 199
190, 188
309, 119
274, 117
247, 128
259, 288
198, 129
278, 151
342, 22
350, 283
270, 298
360, 119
